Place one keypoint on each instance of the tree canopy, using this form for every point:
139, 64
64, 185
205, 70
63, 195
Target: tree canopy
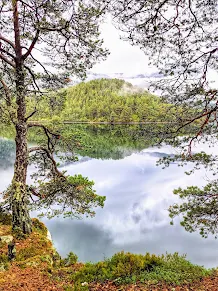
109, 100
180, 38
42, 43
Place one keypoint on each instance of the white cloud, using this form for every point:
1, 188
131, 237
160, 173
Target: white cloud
124, 58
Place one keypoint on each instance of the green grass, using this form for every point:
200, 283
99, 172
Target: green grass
127, 268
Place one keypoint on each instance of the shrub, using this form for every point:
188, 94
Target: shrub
70, 260
120, 265
125, 268
5, 217
39, 226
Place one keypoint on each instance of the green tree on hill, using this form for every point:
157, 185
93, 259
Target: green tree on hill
98, 100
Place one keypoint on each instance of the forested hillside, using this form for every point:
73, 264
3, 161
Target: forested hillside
110, 100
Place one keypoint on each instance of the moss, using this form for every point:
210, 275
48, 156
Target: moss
18, 233
45, 261
5, 217
36, 246
38, 226
4, 264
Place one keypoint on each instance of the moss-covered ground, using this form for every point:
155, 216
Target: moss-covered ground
38, 267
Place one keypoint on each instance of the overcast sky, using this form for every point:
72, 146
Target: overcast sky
127, 59
124, 58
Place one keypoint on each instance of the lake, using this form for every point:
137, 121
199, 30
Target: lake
135, 216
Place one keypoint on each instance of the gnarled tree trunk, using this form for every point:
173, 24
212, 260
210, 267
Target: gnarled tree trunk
21, 221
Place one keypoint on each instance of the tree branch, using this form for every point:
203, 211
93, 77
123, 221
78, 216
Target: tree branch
35, 193
7, 41
7, 53
47, 132
196, 118
33, 77
31, 114
7, 60
32, 45
50, 157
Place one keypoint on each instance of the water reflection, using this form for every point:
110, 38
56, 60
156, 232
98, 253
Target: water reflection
135, 216
7, 153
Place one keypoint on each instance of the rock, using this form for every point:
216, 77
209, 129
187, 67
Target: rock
11, 251
84, 284
49, 236
56, 256
6, 239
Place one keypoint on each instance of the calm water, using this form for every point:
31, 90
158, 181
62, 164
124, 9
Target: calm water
135, 216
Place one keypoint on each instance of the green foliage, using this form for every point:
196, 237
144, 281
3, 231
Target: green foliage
126, 268
39, 226
109, 100
74, 194
199, 208
3, 258
71, 259
4, 263
176, 270
5, 217
120, 265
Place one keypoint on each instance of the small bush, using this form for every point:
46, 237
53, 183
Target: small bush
119, 266
5, 217
39, 226
126, 268
175, 269
70, 260
4, 264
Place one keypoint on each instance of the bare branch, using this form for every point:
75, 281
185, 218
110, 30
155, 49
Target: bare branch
50, 157
197, 117
47, 133
35, 193
7, 41
33, 77
7, 53
32, 45
31, 114
7, 61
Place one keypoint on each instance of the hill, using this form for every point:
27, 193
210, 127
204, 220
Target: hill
108, 100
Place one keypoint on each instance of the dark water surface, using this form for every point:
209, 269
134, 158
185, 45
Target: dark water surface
135, 216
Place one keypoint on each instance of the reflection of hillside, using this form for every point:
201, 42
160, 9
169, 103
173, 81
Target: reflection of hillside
113, 142
98, 141
7, 153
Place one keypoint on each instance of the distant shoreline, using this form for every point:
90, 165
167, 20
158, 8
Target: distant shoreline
111, 123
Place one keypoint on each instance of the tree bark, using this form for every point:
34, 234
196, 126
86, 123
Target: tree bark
21, 222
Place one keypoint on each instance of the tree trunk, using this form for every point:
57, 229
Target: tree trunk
21, 222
